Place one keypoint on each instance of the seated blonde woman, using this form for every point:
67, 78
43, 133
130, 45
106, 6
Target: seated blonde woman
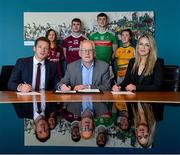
145, 71
145, 124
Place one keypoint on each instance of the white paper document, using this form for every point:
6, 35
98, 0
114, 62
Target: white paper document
122, 92
60, 91
28, 93
89, 91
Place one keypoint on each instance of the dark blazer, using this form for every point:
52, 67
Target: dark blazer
101, 75
25, 110
151, 82
23, 72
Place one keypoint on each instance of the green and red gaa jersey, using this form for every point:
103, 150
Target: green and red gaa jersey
103, 43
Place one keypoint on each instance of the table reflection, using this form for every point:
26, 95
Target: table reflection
120, 124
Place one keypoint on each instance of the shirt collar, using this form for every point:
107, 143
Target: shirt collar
91, 111
35, 61
82, 65
38, 116
75, 123
102, 32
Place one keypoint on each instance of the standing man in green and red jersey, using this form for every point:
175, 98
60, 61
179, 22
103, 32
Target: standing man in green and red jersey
105, 41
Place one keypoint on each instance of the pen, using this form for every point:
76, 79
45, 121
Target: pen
115, 82
28, 85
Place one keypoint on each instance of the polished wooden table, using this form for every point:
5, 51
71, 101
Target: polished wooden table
49, 96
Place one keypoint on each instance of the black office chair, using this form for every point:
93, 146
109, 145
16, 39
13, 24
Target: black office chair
5, 75
170, 83
179, 80
171, 78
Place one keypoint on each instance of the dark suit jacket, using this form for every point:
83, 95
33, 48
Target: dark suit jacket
101, 75
25, 110
23, 72
152, 82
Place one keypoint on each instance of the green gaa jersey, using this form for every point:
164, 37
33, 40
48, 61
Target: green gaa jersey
103, 43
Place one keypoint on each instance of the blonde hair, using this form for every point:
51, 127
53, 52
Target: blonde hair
152, 57
150, 119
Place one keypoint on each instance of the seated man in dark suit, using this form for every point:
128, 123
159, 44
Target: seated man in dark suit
23, 77
35, 73
42, 125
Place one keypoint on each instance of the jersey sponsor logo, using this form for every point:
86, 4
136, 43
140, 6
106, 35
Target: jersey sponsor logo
73, 48
70, 42
103, 43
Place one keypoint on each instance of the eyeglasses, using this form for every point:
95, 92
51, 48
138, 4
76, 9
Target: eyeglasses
86, 129
87, 50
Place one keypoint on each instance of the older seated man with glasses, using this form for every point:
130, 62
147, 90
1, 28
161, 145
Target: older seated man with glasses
89, 112
87, 124
86, 73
